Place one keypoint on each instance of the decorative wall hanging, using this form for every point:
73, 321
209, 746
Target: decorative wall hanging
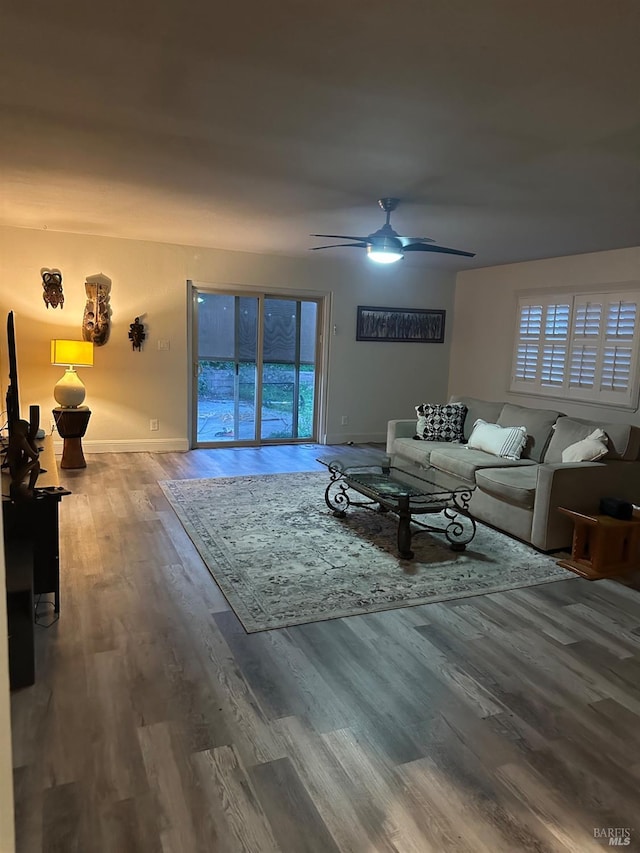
52, 284
136, 334
96, 320
400, 324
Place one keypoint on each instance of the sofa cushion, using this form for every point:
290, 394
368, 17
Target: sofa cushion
461, 461
416, 451
624, 440
484, 409
506, 442
538, 423
441, 422
592, 447
515, 485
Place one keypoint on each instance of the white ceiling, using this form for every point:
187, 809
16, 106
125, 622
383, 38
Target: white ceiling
507, 128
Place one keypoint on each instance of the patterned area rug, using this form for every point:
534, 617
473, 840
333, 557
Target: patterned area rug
281, 558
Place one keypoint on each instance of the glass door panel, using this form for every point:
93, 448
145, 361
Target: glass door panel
288, 368
227, 368
307, 374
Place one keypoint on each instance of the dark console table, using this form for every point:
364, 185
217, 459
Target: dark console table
19, 580
32, 559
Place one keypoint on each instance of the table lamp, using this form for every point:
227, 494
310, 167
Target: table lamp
69, 391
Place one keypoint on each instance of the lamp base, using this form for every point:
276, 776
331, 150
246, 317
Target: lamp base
69, 392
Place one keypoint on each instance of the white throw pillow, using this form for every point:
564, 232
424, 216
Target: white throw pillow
506, 442
592, 447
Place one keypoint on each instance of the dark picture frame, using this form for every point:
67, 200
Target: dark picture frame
406, 325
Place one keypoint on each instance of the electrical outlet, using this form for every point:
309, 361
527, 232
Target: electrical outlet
153, 424
164, 344
345, 420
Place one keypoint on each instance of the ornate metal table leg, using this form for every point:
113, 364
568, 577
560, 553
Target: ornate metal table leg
335, 495
460, 530
404, 529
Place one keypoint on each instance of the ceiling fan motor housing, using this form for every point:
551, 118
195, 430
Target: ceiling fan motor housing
388, 204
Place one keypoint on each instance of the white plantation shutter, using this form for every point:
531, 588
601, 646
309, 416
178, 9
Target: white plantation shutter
542, 345
531, 321
582, 347
554, 357
582, 373
619, 350
528, 348
588, 319
621, 320
583, 364
527, 362
616, 369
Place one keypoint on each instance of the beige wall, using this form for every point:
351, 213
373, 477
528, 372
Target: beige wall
369, 382
484, 318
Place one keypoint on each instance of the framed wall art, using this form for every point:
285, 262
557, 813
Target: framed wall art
417, 325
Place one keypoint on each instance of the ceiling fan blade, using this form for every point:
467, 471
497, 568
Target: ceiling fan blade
422, 247
407, 240
338, 245
342, 237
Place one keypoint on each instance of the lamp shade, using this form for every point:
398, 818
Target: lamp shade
78, 353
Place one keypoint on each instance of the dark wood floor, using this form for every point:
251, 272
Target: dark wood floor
506, 722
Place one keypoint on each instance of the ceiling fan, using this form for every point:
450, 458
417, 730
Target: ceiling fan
387, 246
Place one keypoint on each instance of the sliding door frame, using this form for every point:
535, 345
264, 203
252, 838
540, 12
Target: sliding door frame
323, 302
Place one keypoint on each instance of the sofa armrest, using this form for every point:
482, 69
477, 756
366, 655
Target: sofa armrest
577, 486
399, 429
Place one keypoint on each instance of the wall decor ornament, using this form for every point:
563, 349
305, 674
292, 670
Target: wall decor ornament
96, 321
52, 284
136, 334
417, 325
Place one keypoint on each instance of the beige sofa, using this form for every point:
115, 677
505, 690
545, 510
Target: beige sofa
522, 496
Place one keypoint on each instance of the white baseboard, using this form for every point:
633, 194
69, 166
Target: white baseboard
180, 445
143, 445
356, 437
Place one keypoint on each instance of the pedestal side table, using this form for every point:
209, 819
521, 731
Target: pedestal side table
71, 424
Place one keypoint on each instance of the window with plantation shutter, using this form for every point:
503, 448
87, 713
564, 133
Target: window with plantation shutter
579, 347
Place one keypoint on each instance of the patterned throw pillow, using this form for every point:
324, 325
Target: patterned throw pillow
443, 422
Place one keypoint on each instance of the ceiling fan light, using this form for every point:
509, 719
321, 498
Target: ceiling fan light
385, 256
385, 250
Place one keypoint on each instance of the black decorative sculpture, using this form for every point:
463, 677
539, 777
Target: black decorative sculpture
136, 334
52, 284
22, 459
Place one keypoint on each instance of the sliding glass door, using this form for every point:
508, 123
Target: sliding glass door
257, 368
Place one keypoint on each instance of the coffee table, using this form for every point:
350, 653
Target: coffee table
357, 473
